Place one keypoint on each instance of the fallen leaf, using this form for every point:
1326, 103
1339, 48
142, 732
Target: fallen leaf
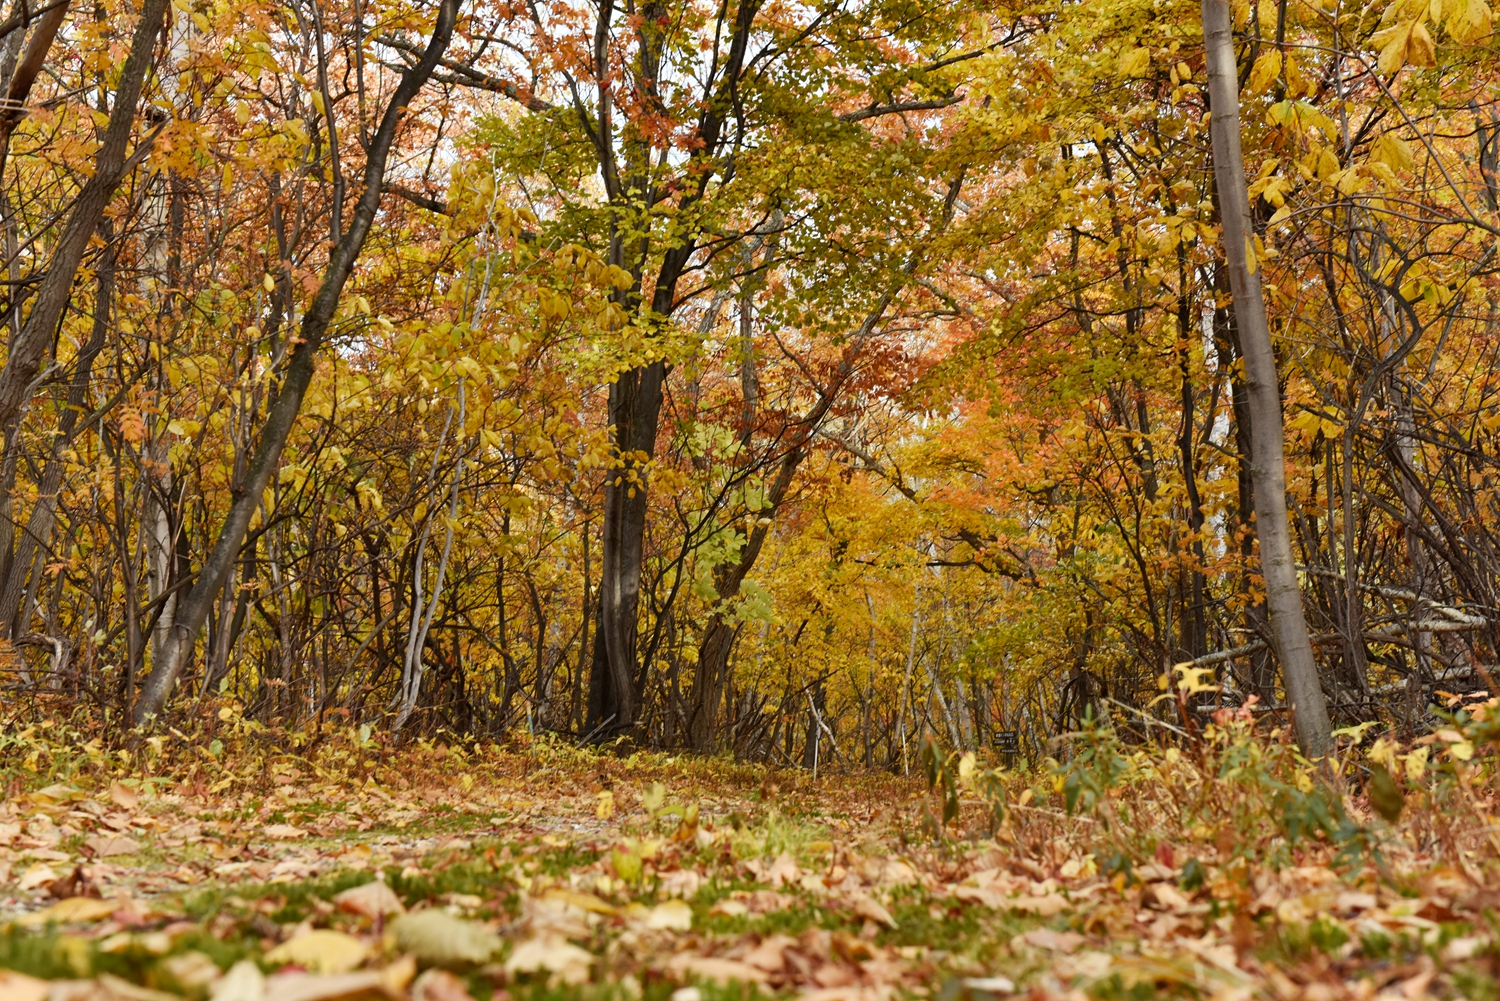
551, 954
71, 910
770, 954
19, 987
1165, 897
191, 970
439, 985
583, 901
784, 870
1053, 941
673, 915
103, 846
868, 907
124, 798
318, 987
115, 988
371, 900
729, 908
38, 875
721, 971
320, 951
440, 939
1046, 906
283, 832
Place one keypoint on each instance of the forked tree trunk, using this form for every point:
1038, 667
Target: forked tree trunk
1267, 461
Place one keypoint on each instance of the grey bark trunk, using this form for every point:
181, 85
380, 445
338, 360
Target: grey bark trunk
1268, 469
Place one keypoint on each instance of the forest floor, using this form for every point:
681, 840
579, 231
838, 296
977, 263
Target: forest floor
443, 874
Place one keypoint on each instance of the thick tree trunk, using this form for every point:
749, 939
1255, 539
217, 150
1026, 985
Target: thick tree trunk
194, 608
1268, 464
635, 401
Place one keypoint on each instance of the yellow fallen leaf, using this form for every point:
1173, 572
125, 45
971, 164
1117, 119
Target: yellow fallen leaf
283, 832
674, 915
321, 951
551, 955
73, 909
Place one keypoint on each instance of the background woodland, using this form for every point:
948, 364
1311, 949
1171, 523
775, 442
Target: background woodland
792, 379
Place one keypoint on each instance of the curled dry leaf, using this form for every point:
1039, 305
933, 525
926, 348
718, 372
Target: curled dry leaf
371, 900
867, 906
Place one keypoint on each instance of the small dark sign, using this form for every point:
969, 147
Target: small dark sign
1007, 742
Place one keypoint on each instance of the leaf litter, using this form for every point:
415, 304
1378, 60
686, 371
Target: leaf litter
515, 877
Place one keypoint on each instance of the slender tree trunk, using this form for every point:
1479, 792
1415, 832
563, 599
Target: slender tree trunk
194, 608
35, 338
1268, 464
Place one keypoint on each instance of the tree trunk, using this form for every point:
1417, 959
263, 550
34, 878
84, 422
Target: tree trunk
1267, 468
635, 401
194, 608
35, 338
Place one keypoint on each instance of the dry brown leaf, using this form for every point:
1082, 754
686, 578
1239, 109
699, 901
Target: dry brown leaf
439, 985
868, 907
371, 900
770, 954
1165, 897
1053, 941
283, 832
103, 846
125, 799
783, 871
721, 971
1047, 906
71, 910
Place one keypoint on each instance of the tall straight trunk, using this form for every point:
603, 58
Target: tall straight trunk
194, 608
635, 400
1267, 460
